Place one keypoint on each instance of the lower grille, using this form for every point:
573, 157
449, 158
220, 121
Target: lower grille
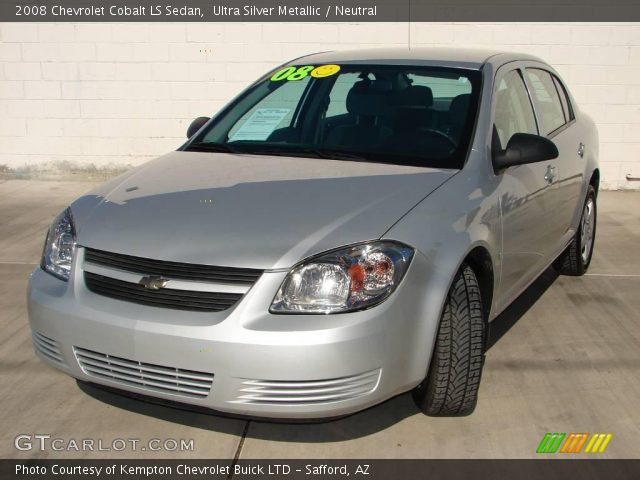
145, 375
47, 347
276, 392
164, 298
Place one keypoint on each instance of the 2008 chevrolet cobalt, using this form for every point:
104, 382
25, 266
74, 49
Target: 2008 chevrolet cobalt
343, 231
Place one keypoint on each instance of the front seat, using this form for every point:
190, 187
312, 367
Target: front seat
457, 116
412, 118
412, 109
366, 105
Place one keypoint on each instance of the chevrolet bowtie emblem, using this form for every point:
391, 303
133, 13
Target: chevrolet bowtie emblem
153, 282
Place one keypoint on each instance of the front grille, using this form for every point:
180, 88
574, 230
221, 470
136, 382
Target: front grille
175, 270
47, 347
145, 375
277, 392
163, 298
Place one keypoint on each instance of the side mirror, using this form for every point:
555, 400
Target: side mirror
525, 148
196, 125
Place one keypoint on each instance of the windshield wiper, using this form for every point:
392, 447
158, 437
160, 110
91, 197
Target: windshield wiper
280, 152
212, 147
308, 151
338, 154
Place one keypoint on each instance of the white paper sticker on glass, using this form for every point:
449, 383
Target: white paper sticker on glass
260, 124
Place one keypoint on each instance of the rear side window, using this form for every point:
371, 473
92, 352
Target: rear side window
513, 110
551, 111
564, 98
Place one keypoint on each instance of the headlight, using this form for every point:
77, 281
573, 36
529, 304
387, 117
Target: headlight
60, 246
344, 280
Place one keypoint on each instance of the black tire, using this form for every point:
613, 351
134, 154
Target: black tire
450, 388
574, 261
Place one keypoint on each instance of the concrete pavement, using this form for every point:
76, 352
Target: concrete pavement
564, 357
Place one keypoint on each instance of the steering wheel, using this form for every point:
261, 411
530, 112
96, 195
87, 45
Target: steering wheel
437, 133
415, 141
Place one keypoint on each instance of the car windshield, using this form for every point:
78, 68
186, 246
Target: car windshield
405, 115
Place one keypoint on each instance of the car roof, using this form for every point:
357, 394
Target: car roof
436, 56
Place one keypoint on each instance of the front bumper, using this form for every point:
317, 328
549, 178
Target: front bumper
243, 360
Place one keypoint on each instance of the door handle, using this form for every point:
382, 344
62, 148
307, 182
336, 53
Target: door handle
581, 148
550, 174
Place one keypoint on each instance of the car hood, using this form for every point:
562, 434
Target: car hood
247, 210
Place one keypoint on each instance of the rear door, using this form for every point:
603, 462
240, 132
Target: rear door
556, 120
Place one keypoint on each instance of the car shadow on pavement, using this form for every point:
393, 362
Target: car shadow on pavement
361, 424
520, 306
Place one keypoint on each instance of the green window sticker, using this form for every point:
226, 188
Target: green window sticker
283, 74
300, 73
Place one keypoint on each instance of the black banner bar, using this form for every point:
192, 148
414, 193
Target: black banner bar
318, 10
536, 469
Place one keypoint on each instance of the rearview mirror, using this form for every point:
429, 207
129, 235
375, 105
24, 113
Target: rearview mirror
196, 125
525, 148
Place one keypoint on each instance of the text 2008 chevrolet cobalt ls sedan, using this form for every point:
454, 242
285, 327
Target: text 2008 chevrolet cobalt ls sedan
341, 232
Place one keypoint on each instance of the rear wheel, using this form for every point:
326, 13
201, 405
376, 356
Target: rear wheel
450, 389
576, 258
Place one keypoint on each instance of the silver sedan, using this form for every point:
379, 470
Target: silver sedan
342, 232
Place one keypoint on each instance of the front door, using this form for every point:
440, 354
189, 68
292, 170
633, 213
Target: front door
523, 189
557, 122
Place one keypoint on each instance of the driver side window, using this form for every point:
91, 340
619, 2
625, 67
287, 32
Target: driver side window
513, 110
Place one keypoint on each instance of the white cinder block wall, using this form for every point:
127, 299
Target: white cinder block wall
110, 95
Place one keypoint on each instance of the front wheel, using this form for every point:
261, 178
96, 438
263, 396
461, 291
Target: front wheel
450, 389
575, 260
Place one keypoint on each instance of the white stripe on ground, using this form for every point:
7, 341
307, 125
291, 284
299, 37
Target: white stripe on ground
610, 275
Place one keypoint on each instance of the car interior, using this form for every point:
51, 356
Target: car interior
404, 120
394, 114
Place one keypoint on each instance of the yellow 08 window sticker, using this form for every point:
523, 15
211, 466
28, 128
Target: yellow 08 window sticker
299, 73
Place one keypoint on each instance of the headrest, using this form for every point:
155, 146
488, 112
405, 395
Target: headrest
368, 98
460, 104
415, 96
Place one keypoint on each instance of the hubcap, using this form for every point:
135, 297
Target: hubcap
586, 230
